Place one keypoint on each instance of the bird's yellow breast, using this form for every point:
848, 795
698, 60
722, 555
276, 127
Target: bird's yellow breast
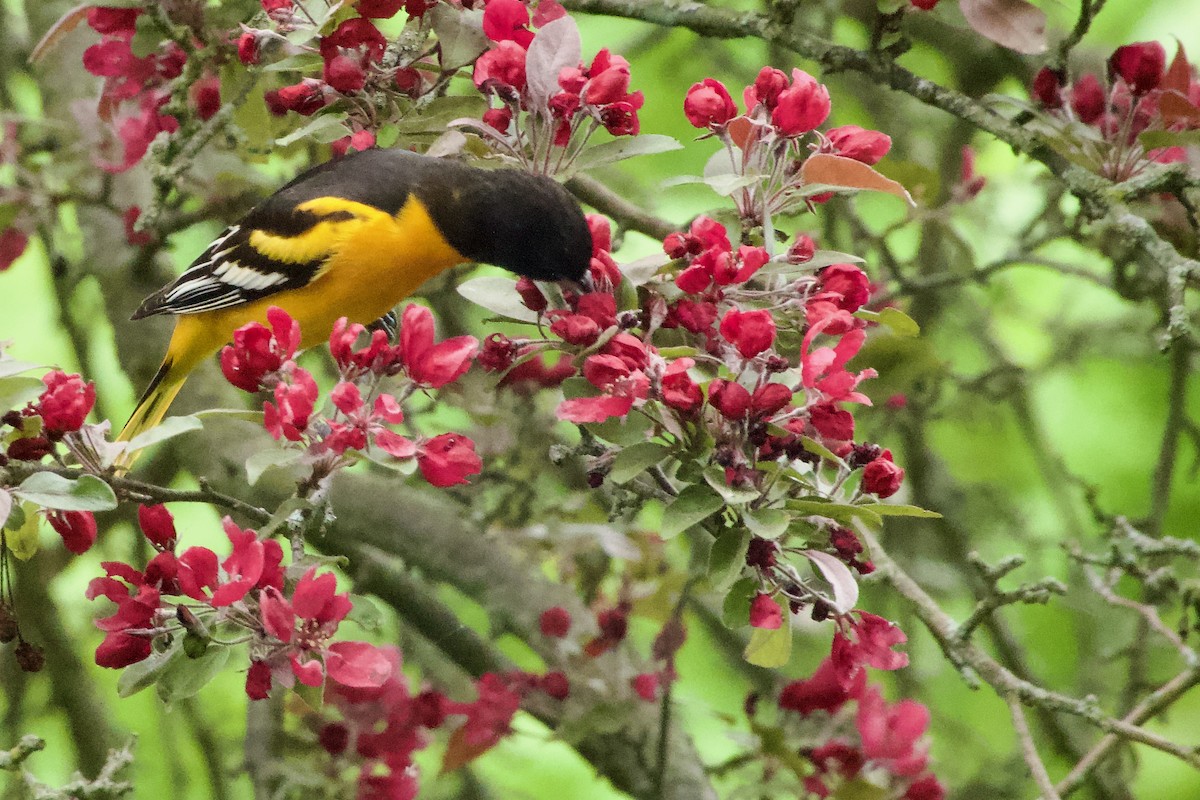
376, 260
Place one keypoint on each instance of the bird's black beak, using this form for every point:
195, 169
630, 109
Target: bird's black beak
582, 286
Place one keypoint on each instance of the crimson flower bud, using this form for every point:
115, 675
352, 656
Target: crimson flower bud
77, 529
882, 477
531, 295
802, 250
344, 74
1047, 87
1140, 65
765, 613
708, 104
555, 622
860, 144
247, 49
802, 106
768, 86
498, 118
1087, 98
751, 332
65, 403
730, 398
555, 684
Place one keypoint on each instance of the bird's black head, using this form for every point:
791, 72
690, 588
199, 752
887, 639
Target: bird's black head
513, 219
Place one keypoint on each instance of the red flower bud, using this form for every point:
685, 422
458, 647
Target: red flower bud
708, 104
77, 529
765, 612
882, 477
1140, 65
730, 398
344, 74
767, 87
801, 251
802, 106
531, 296
860, 144
498, 118
1087, 99
751, 332
65, 403
555, 622
1047, 88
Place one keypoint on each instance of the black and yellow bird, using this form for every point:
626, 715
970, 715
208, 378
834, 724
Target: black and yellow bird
351, 238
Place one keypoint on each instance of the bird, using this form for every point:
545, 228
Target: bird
352, 238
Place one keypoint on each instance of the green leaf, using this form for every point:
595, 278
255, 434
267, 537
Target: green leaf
11, 366
623, 148
735, 609
301, 62
643, 269
16, 516
459, 33
768, 648
625, 431
194, 645
636, 459
838, 512
813, 446
322, 129
900, 510
715, 476
900, 323
146, 672
693, 505
23, 541
184, 677
6, 506
769, 523
1152, 140
437, 114
169, 428
17, 390
264, 460
85, 493
497, 294
727, 558
365, 613
248, 414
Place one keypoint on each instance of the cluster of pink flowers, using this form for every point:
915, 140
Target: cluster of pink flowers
195, 592
859, 731
771, 137
263, 358
136, 87
1142, 93
376, 729
583, 97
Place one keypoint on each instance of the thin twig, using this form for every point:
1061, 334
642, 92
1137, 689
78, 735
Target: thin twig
1029, 749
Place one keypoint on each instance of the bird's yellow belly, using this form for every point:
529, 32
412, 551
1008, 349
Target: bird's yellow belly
379, 261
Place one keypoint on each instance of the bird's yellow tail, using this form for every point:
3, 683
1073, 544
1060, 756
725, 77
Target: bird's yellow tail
152, 407
193, 341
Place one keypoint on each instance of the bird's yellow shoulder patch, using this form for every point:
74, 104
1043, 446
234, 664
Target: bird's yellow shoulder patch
340, 219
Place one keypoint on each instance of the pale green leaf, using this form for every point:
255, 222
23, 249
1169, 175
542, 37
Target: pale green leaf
900, 510
636, 459
768, 523
693, 505
169, 428
85, 493
727, 558
497, 294
769, 648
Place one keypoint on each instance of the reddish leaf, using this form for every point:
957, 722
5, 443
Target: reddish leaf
1015, 24
459, 751
1174, 108
68, 22
741, 130
1179, 74
846, 173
